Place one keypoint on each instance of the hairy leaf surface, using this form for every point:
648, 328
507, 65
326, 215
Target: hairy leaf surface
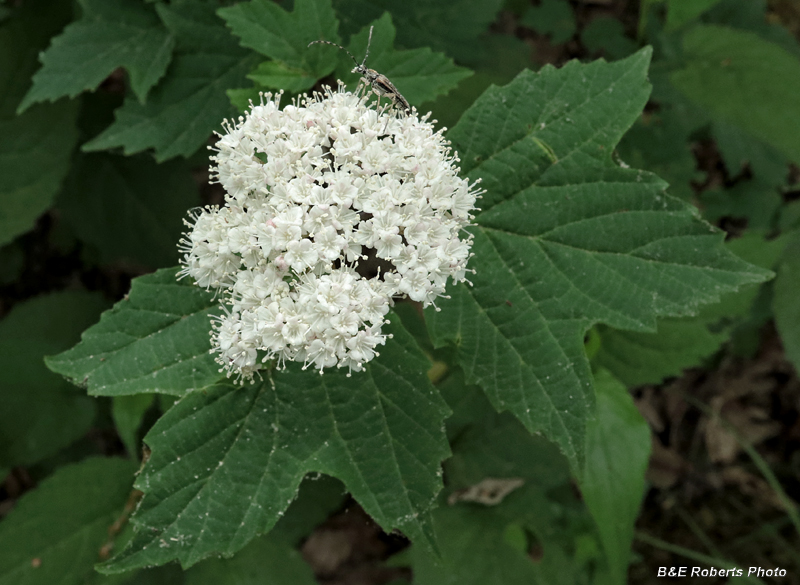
565, 239
156, 340
227, 462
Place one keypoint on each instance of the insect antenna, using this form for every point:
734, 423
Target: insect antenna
339, 47
369, 42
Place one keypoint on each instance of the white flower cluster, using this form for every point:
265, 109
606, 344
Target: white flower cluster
332, 209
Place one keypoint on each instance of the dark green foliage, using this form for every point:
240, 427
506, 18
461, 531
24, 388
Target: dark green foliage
156, 340
110, 34
554, 18
64, 523
226, 462
35, 152
183, 110
129, 208
568, 239
41, 412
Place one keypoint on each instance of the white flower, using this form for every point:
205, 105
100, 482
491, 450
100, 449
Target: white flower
332, 209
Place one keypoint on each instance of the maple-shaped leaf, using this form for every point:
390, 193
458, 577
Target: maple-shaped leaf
110, 34
183, 110
565, 238
225, 463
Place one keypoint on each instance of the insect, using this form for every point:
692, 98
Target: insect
378, 81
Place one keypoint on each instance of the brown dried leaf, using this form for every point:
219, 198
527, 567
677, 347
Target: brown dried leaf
489, 491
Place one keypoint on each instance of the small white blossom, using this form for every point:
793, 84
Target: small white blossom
332, 208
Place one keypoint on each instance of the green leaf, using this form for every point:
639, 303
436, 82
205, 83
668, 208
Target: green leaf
265, 560
738, 148
63, 523
319, 496
474, 550
756, 202
35, 152
419, 74
41, 413
474, 537
755, 16
659, 143
745, 81
155, 340
22, 39
789, 217
552, 17
166, 575
227, 462
498, 445
190, 102
110, 34
680, 12
265, 27
638, 358
450, 27
744, 313
128, 412
566, 239
647, 358
505, 57
131, 209
241, 98
34, 159
612, 483
606, 34
755, 196
276, 75
785, 305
